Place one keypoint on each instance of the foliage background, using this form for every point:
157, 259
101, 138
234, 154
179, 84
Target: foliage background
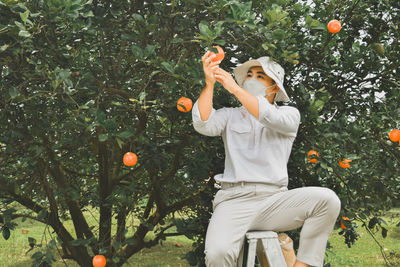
83, 82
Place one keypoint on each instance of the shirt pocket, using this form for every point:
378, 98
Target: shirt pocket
240, 135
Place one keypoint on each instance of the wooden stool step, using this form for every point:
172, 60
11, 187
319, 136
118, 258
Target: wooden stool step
271, 249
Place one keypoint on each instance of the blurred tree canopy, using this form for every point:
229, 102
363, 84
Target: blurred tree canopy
84, 81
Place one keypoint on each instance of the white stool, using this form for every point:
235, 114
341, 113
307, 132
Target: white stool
271, 249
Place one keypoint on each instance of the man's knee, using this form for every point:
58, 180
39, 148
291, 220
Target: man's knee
332, 203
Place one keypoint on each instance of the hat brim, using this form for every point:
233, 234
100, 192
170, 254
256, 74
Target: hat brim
240, 73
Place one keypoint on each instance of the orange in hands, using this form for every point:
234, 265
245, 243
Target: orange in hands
130, 159
219, 56
314, 159
345, 163
184, 104
334, 26
394, 135
99, 261
341, 222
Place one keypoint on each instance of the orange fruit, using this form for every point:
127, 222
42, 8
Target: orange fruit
184, 104
345, 163
130, 159
341, 222
310, 153
394, 135
99, 261
334, 26
219, 56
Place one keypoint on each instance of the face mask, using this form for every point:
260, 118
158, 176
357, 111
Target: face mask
256, 88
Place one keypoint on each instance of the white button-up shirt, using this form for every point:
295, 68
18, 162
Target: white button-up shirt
256, 150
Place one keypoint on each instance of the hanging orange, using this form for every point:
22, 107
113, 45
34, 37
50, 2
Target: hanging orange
341, 222
99, 261
312, 152
345, 163
130, 159
219, 56
184, 104
394, 135
334, 26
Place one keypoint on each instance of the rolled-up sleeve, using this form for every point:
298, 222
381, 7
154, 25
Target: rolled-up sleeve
284, 119
215, 124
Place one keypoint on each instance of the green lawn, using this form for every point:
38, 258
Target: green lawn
365, 252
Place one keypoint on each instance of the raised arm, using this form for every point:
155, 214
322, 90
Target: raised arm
206, 120
206, 96
284, 119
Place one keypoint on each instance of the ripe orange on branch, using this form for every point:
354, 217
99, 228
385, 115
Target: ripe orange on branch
394, 135
184, 104
310, 153
341, 222
345, 163
219, 56
334, 26
99, 261
130, 159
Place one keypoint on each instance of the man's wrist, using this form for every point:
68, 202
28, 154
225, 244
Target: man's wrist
236, 90
209, 86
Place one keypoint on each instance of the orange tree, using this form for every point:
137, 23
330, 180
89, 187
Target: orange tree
84, 82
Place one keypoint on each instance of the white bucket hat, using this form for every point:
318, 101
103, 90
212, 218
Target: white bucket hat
271, 68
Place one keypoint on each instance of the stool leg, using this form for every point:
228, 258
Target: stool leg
252, 252
273, 251
262, 258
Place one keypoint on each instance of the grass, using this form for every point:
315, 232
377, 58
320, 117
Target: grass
365, 252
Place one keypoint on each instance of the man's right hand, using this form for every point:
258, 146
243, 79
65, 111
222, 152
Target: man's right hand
209, 67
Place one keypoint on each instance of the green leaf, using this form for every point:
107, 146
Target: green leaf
320, 26
37, 255
42, 214
220, 42
120, 142
88, 14
154, 73
24, 33
117, 245
149, 50
24, 16
13, 91
125, 134
372, 222
102, 251
22, 6
84, 107
6, 232
138, 17
52, 244
177, 40
279, 34
384, 232
3, 47
167, 66
204, 28
130, 241
32, 241
314, 23
137, 51
103, 137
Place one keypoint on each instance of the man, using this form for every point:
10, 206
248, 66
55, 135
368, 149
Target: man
258, 138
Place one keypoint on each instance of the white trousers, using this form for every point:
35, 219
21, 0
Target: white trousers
255, 206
